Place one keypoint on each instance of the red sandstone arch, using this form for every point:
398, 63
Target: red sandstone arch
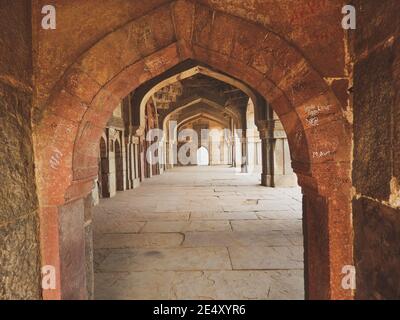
81, 103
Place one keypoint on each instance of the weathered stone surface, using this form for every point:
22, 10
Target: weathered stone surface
72, 251
295, 54
226, 239
376, 22
377, 248
373, 100
255, 257
89, 261
120, 260
204, 226
19, 226
396, 112
19, 259
186, 226
115, 224
17, 191
16, 49
313, 27
165, 226
376, 150
110, 55
316, 247
288, 226
200, 285
194, 258
146, 240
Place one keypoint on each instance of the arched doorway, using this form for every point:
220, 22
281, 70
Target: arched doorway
320, 150
202, 156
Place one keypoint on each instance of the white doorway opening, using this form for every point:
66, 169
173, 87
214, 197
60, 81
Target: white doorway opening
202, 157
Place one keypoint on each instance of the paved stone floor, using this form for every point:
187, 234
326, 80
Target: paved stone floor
200, 233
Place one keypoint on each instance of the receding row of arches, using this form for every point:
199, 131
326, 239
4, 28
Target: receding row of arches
197, 107
287, 90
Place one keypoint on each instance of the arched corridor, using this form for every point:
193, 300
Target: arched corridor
112, 103
246, 243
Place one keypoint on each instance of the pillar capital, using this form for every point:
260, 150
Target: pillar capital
137, 131
262, 125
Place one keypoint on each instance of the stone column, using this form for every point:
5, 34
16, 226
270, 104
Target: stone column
327, 230
136, 162
111, 175
283, 172
124, 162
232, 144
244, 150
210, 152
267, 154
233, 151
230, 160
88, 231
171, 154
139, 139
276, 162
131, 166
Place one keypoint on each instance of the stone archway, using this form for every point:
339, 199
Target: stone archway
210, 104
84, 98
203, 70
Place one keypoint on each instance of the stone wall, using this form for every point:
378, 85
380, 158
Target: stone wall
376, 166
19, 244
320, 39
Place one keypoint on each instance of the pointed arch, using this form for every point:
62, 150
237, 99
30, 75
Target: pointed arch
71, 123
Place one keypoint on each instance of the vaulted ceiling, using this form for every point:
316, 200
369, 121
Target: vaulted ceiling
199, 94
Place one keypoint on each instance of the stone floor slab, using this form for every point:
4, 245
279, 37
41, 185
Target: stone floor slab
166, 259
201, 285
133, 240
199, 233
266, 258
226, 239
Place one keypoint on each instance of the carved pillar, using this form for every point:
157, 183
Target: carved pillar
136, 162
112, 187
124, 162
233, 151
267, 153
327, 230
138, 139
244, 150
171, 144
131, 164
167, 155
233, 143
88, 234
276, 162
283, 172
